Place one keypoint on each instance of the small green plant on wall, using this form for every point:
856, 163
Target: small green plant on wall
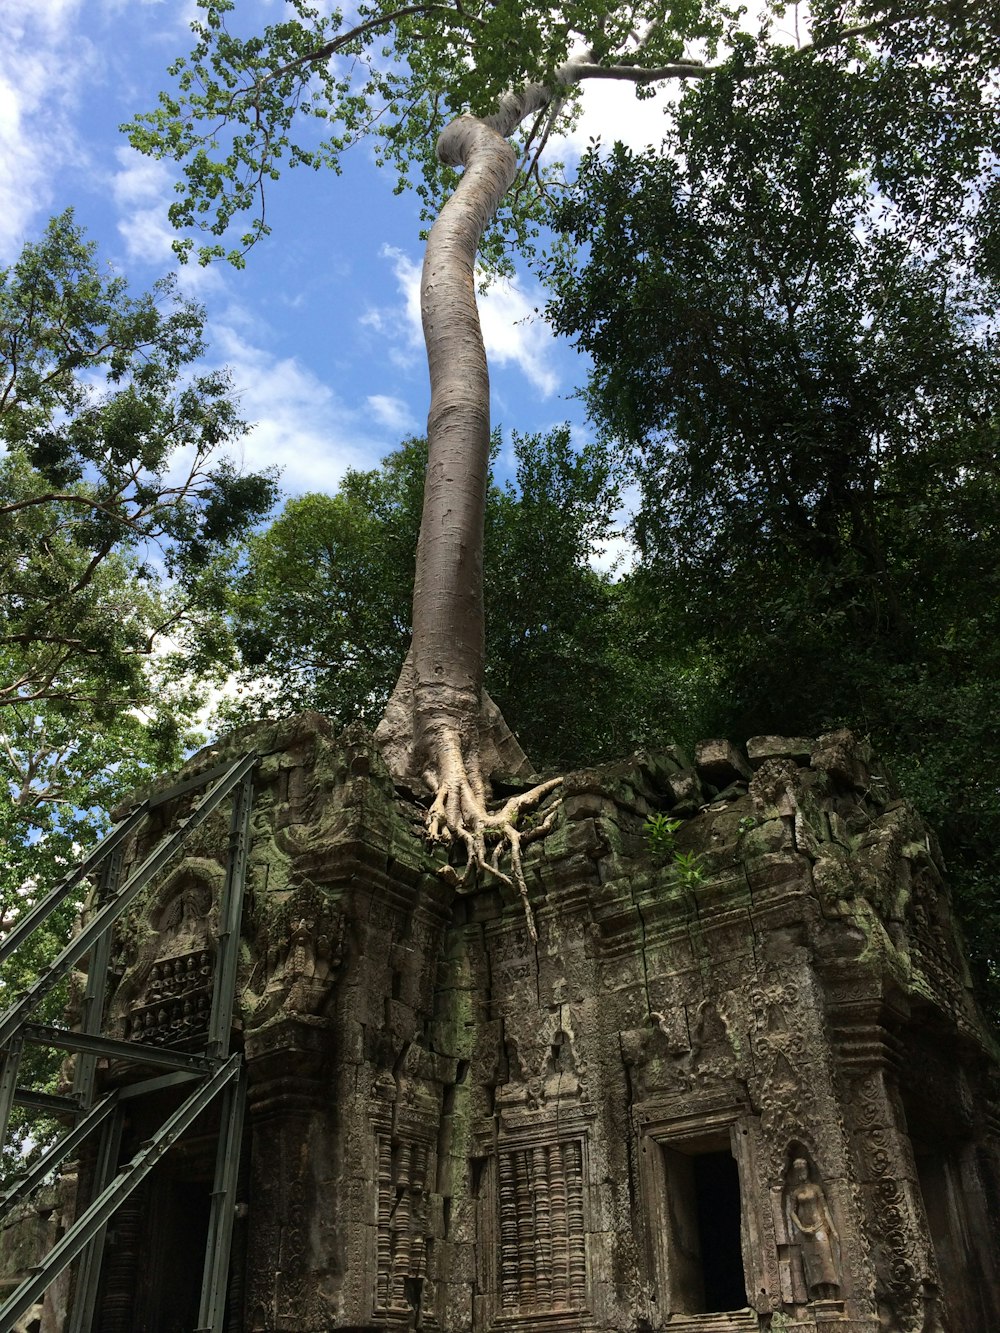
660, 832
685, 867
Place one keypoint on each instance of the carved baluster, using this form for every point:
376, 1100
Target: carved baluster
543, 1229
560, 1227
525, 1231
402, 1231
383, 1242
573, 1159
115, 1312
508, 1233
417, 1223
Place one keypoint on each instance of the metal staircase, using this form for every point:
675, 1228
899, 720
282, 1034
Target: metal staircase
213, 1076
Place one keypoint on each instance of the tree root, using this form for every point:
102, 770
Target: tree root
459, 814
448, 738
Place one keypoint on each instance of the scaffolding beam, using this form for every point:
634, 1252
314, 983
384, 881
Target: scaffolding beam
213, 1071
57, 1154
106, 916
129, 1177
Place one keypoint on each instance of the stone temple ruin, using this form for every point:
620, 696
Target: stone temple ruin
743, 1088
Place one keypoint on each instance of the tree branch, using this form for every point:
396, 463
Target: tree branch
457, 15
692, 69
67, 497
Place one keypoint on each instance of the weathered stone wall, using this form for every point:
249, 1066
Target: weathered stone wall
745, 1090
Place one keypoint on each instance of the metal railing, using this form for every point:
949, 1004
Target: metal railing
214, 1074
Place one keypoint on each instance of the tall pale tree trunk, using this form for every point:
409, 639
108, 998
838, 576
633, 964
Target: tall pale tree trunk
440, 726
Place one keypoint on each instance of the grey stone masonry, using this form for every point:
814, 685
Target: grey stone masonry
738, 1083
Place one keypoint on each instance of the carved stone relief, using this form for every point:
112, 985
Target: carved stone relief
299, 954
543, 1252
811, 1231
166, 967
402, 1222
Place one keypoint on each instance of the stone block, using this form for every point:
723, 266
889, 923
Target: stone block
845, 758
720, 763
762, 748
686, 789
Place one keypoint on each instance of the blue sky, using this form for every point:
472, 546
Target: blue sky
321, 330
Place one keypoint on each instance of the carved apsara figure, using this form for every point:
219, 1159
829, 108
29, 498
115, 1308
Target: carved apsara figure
811, 1227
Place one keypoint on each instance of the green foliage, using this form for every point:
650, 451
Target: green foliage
660, 831
302, 91
792, 320
321, 614
686, 869
553, 654
117, 502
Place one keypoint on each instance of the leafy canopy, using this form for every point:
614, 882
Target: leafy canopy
321, 614
301, 91
117, 497
792, 319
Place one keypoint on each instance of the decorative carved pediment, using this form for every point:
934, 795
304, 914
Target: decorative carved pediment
164, 995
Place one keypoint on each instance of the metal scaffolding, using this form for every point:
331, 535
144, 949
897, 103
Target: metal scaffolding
212, 1075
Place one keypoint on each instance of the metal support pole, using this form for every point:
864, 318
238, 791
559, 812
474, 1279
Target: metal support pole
97, 984
128, 1179
212, 1309
134, 1052
9, 1061
88, 1276
230, 917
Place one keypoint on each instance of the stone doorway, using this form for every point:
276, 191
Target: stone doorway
717, 1200
176, 1232
701, 1240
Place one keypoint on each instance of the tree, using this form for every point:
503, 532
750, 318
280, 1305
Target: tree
118, 510
321, 614
404, 71
117, 500
799, 340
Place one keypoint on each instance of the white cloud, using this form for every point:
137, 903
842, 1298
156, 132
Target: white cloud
44, 66
407, 274
301, 426
390, 412
513, 332
141, 180
610, 111
142, 190
619, 553
615, 556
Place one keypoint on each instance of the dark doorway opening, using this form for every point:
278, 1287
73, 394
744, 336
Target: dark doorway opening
717, 1192
178, 1257
702, 1230
155, 1257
